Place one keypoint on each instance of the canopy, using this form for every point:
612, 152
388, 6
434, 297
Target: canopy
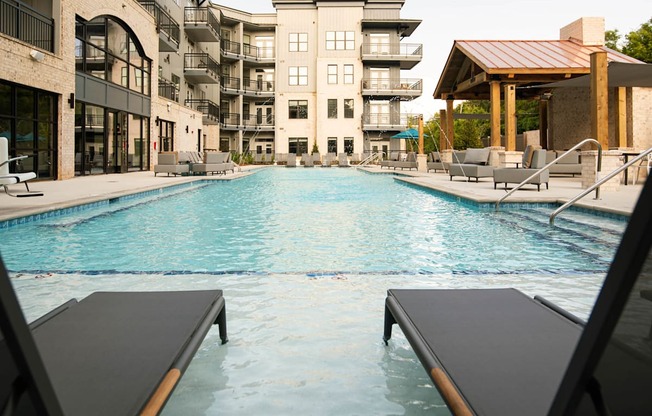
408, 134
619, 74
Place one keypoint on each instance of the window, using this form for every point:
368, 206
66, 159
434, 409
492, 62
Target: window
348, 108
298, 75
340, 41
332, 74
298, 108
348, 74
348, 145
332, 108
332, 145
298, 145
298, 42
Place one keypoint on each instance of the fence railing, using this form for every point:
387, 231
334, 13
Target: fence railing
164, 22
407, 50
22, 22
168, 89
194, 15
394, 84
208, 108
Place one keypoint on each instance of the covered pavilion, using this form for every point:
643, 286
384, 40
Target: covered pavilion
506, 70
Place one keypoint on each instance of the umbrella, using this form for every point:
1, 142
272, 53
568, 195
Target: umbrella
408, 134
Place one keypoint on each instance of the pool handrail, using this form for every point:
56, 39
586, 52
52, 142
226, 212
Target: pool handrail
597, 184
580, 144
370, 158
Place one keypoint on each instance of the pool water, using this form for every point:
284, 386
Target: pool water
305, 257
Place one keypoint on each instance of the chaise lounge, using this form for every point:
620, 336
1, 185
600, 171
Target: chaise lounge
168, 163
112, 353
475, 165
499, 352
9, 178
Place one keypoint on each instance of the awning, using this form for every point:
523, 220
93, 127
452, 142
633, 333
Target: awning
619, 74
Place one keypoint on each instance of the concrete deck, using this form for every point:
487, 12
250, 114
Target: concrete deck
81, 190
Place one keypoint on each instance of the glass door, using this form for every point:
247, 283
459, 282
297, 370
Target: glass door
117, 140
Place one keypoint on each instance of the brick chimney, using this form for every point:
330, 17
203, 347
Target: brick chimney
587, 31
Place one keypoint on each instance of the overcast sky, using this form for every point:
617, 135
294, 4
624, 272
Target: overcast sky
444, 22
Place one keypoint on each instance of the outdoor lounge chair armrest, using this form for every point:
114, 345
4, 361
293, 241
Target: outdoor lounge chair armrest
163, 391
13, 159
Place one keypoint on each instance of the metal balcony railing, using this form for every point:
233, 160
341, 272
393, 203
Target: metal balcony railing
258, 86
209, 109
230, 47
389, 120
396, 85
230, 83
168, 89
201, 61
196, 15
257, 53
258, 120
406, 50
230, 119
20, 21
164, 22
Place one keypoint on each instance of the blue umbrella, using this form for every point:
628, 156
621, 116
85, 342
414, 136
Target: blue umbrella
408, 134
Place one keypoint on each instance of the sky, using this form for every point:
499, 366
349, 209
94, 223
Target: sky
444, 22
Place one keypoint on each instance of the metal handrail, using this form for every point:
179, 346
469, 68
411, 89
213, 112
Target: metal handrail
580, 144
597, 184
370, 159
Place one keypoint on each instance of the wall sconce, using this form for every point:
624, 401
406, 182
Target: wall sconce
71, 100
36, 55
167, 58
186, 129
156, 122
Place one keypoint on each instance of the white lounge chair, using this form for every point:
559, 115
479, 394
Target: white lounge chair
9, 178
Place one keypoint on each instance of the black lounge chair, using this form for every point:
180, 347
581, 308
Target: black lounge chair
118, 353
499, 352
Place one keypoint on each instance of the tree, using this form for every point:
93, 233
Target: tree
639, 43
611, 39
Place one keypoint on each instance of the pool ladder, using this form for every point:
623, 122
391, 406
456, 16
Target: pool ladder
367, 160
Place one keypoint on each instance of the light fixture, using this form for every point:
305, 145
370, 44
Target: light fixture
71, 100
186, 129
37, 55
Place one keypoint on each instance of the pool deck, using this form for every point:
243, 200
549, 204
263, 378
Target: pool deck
87, 189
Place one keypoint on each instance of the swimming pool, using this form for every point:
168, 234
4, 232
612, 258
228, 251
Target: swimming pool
304, 257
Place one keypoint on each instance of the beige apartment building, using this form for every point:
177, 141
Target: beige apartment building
94, 87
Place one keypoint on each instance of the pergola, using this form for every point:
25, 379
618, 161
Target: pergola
497, 70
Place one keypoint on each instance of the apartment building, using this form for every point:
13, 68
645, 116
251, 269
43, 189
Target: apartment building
98, 86
315, 73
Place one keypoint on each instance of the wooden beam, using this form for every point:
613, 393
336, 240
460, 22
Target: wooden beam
510, 117
621, 116
481, 78
543, 124
450, 126
599, 99
494, 110
421, 134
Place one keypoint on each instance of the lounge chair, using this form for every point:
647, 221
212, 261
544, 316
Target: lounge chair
475, 165
306, 160
112, 353
327, 161
214, 162
9, 178
168, 163
292, 160
435, 163
533, 160
343, 160
393, 157
499, 352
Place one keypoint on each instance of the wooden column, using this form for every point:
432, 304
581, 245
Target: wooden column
510, 117
599, 99
494, 111
443, 131
543, 124
450, 126
421, 151
621, 116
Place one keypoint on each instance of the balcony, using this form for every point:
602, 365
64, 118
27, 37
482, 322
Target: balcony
257, 54
388, 121
167, 89
230, 50
230, 121
407, 55
403, 88
166, 26
258, 88
201, 25
230, 85
21, 22
210, 111
258, 122
200, 68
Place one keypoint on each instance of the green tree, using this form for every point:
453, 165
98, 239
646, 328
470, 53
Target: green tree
611, 39
639, 43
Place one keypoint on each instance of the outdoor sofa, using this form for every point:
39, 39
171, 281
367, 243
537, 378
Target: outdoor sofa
568, 165
168, 163
533, 160
500, 352
214, 162
475, 165
435, 163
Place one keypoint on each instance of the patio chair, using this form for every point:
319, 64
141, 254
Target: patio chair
475, 165
168, 163
328, 159
292, 160
410, 162
112, 353
499, 352
343, 160
214, 162
533, 160
393, 157
9, 178
435, 163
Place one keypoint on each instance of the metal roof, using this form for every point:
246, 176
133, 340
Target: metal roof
518, 61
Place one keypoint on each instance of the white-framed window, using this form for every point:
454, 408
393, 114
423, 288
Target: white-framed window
298, 42
332, 74
298, 75
340, 40
348, 74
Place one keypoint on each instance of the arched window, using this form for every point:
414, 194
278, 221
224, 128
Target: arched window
107, 49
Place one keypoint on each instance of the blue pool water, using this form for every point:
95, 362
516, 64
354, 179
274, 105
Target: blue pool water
305, 257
